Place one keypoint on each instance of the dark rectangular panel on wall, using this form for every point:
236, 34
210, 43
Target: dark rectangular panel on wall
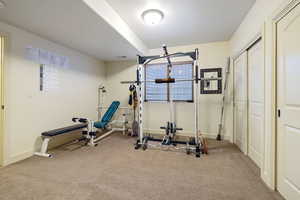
211, 86
41, 77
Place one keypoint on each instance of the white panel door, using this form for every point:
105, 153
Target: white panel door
288, 102
1, 100
240, 102
256, 102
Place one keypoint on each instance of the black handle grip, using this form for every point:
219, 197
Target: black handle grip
165, 80
82, 120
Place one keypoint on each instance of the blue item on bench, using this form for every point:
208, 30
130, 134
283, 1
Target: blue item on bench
64, 130
108, 115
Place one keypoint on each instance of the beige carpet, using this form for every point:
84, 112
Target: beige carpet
114, 170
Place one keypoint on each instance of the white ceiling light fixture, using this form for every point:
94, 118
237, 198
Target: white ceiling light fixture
152, 16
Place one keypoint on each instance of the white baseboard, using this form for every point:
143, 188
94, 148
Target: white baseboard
17, 158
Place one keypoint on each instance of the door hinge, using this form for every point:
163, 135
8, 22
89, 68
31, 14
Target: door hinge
2, 107
278, 113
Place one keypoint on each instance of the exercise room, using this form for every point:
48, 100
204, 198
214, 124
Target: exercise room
149, 99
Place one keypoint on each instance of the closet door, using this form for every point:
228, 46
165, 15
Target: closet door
288, 102
256, 102
1, 99
240, 102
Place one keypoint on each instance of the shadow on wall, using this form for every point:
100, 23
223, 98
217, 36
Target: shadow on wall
122, 67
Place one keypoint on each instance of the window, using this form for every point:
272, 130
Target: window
178, 91
49, 78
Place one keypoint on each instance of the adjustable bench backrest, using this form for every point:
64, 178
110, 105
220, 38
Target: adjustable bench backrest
110, 111
108, 115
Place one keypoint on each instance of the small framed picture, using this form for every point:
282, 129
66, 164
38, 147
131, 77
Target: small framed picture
211, 86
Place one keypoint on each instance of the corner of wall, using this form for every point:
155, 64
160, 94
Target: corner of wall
17, 158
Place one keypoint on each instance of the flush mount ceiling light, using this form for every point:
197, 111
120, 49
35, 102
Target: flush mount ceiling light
152, 16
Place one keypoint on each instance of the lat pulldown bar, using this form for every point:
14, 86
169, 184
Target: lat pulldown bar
171, 80
144, 60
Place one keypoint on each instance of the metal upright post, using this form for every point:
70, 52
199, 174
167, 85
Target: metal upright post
141, 100
172, 109
196, 98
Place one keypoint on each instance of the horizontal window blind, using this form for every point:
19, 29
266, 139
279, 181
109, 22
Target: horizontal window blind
178, 91
156, 92
182, 91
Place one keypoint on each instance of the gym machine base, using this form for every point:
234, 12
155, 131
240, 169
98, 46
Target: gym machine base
169, 142
189, 146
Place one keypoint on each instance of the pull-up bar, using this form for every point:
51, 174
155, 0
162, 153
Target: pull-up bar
144, 60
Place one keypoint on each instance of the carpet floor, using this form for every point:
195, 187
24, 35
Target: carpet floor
114, 170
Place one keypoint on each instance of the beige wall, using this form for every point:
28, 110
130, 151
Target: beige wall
157, 114
28, 111
252, 24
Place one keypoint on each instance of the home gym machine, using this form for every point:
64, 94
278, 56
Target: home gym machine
169, 140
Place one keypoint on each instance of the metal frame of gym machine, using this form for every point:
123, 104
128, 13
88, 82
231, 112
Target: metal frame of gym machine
140, 80
191, 147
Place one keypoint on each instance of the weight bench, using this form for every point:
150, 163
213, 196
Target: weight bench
89, 129
104, 123
49, 134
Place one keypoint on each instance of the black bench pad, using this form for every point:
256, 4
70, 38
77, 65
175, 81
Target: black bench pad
60, 131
